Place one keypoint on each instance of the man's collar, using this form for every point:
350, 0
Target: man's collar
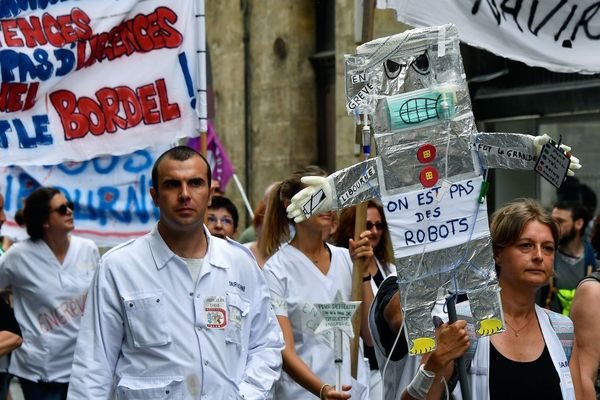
162, 254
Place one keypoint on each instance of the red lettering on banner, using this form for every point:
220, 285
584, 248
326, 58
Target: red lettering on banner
109, 101
148, 103
120, 107
169, 111
57, 31
17, 96
142, 33
52, 29
32, 31
10, 35
133, 110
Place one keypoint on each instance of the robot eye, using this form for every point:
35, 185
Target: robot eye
392, 69
421, 64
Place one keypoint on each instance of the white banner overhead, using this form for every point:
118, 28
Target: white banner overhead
88, 78
559, 35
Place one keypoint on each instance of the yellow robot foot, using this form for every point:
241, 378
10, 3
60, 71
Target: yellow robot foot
489, 326
422, 346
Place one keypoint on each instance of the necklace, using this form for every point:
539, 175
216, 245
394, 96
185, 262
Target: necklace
517, 331
316, 258
311, 257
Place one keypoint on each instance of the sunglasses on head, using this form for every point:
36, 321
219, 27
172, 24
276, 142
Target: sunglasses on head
378, 225
63, 209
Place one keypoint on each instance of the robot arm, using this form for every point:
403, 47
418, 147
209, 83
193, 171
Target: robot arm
344, 188
514, 151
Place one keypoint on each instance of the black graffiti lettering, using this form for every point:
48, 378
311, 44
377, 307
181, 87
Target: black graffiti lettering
495, 11
532, 12
558, 17
545, 20
566, 23
514, 11
584, 21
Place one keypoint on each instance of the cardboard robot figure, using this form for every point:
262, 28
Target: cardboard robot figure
429, 174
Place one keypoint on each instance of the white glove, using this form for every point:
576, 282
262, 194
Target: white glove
313, 199
540, 141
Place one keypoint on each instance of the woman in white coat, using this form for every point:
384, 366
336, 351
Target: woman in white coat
49, 274
300, 273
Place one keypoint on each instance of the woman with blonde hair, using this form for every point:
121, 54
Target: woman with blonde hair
302, 272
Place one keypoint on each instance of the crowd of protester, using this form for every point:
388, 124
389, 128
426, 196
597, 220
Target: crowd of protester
187, 312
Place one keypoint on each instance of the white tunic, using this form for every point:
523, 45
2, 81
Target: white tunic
151, 332
49, 299
296, 284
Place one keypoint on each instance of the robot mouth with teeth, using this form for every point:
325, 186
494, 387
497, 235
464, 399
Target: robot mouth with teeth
429, 172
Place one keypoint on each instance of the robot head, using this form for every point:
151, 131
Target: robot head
413, 76
413, 86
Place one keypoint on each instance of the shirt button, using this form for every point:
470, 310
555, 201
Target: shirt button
205, 362
191, 294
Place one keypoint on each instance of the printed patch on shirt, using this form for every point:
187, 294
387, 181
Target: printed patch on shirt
216, 316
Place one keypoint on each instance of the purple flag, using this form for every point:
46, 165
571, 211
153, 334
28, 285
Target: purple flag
222, 169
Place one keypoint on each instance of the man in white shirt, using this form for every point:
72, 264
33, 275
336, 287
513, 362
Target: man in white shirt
178, 313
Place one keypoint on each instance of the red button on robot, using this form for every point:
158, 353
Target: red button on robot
429, 176
426, 153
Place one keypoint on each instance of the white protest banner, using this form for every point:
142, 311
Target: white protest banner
88, 78
111, 194
559, 35
419, 223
